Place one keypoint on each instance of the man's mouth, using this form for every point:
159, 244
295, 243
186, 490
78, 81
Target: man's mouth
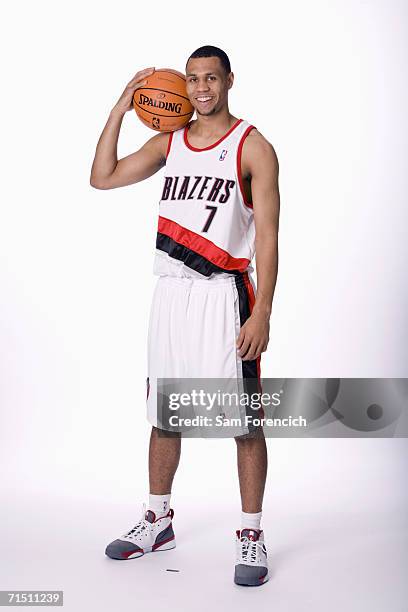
204, 99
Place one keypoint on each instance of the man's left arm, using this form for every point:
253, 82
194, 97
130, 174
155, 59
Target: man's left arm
259, 160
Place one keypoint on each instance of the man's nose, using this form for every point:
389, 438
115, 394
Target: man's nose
202, 85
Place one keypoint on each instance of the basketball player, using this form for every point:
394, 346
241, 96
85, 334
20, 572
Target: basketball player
220, 201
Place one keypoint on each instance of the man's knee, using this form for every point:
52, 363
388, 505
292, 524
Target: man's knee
163, 433
256, 434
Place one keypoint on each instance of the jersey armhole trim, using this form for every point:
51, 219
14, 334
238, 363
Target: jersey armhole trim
239, 171
169, 144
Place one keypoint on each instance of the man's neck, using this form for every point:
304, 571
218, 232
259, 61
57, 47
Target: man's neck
208, 126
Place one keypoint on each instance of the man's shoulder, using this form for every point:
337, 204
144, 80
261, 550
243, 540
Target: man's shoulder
255, 139
257, 148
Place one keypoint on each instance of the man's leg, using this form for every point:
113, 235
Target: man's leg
252, 469
251, 568
154, 531
164, 457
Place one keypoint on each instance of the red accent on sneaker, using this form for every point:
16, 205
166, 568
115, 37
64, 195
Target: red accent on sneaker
150, 516
127, 554
170, 513
252, 534
156, 546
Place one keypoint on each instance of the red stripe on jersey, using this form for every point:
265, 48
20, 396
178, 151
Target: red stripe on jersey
236, 124
201, 245
239, 169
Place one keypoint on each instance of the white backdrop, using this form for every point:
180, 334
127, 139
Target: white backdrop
324, 82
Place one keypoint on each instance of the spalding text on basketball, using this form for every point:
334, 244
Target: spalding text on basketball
174, 107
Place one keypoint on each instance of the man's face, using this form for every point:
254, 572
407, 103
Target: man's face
207, 84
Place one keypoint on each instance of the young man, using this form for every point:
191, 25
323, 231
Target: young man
220, 202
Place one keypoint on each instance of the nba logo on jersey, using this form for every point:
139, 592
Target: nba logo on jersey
223, 154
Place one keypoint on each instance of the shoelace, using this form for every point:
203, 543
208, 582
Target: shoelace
139, 527
249, 549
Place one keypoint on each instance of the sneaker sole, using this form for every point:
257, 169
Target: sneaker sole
255, 582
137, 554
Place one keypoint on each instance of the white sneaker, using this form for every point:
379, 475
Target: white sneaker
150, 534
251, 567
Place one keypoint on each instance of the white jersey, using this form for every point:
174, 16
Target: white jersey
206, 225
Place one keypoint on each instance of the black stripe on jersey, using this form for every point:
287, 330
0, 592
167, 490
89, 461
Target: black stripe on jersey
190, 258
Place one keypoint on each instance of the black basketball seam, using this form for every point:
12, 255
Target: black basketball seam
159, 115
166, 90
172, 73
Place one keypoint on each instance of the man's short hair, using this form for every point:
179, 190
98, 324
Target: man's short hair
210, 51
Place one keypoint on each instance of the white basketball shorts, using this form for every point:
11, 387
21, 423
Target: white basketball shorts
193, 328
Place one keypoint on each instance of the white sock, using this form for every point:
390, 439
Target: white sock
160, 504
251, 521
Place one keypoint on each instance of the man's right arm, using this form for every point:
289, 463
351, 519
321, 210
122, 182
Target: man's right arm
107, 171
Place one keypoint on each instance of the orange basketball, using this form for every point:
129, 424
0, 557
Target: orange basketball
162, 104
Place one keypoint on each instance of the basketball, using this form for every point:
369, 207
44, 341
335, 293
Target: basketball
162, 104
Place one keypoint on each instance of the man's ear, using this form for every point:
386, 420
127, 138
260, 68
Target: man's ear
230, 80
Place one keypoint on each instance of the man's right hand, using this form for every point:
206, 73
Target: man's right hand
107, 171
125, 102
